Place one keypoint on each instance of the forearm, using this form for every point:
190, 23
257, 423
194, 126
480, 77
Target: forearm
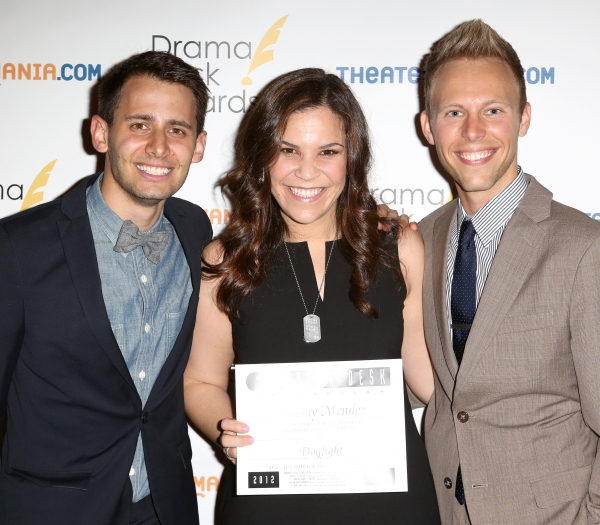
206, 405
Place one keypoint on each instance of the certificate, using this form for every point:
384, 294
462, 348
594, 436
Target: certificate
322, 428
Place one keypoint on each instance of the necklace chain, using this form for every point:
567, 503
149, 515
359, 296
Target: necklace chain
322, 280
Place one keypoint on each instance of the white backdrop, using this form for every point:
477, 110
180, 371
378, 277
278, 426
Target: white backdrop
51, 54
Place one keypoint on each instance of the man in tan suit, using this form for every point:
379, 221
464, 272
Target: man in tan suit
512, 307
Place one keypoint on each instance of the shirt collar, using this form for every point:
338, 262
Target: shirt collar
496, 213
107, 219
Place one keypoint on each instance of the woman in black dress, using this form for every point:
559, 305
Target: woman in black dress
303, 228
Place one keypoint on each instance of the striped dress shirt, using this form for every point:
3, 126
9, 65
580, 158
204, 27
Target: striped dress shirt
489, 223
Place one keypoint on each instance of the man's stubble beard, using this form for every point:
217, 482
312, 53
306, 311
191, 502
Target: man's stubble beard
467, 185
129, 187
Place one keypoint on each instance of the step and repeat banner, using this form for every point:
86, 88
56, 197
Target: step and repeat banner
52, 53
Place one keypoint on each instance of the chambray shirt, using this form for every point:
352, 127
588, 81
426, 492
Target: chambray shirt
146, 304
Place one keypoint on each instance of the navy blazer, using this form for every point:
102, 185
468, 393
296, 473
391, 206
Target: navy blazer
73, 412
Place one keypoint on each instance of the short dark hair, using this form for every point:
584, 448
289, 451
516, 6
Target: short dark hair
160, 65
471, 40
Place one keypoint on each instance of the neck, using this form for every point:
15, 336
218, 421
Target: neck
473, 201
318, 231
143, 216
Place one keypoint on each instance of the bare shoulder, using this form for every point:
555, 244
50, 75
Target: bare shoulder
411, 252
410, 245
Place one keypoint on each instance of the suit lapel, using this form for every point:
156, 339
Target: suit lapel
515, 260
442, 230
80, 253
191, 241
190, 238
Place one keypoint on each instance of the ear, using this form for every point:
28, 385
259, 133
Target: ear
99, 129
200, 146
426, 128
525, 120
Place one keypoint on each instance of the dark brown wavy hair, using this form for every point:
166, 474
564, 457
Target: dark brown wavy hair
256, 227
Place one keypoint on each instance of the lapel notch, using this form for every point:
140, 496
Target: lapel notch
515, 259
80, 254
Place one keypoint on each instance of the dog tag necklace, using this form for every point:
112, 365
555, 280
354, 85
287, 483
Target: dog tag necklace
312, 323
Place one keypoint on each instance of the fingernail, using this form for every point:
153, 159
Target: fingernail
250, 440
244, 428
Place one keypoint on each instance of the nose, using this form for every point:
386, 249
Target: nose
157, 145
307, 168
474, 128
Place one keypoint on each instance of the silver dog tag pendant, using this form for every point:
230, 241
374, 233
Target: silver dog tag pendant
312, 328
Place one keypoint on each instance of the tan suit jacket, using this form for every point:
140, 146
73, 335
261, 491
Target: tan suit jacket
529, 381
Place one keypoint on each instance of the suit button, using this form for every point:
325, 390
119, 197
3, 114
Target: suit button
463, 417
448, 483
145, 417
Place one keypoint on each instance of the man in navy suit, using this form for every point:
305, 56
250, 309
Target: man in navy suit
98, 295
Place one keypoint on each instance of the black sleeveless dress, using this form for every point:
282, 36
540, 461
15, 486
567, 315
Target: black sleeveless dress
271, 331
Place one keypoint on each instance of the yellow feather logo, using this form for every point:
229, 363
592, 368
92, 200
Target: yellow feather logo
263, 55
35, 194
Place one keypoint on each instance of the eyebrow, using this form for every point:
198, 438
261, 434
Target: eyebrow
324, 146
486, 103
150, 118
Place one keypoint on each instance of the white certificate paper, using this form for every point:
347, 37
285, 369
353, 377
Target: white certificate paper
322, 428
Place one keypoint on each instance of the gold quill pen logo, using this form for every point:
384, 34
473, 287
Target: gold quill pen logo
35, 194
264, 55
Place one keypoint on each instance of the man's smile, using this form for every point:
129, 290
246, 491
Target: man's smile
474, 156
153, 170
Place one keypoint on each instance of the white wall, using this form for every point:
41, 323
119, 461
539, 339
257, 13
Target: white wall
42, 121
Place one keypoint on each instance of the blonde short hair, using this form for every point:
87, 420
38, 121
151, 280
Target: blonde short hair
470, 40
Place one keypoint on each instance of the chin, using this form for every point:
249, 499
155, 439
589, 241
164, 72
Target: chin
151, 197
477, 184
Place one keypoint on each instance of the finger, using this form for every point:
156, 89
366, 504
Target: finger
414, 226
232, 453
383, 210
228, 440
232, 425
403, 221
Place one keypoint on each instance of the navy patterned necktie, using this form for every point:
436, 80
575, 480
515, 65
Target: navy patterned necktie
463, 303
